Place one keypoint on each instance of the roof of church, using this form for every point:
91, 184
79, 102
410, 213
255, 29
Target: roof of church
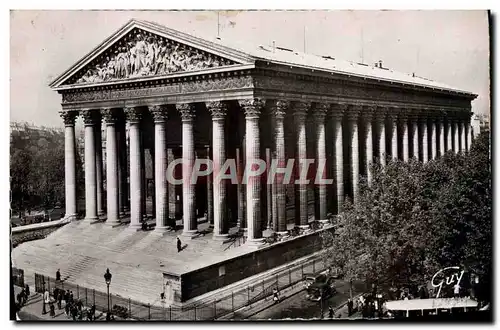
285, 56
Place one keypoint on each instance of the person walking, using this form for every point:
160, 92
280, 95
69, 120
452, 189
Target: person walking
52, 310
59, 299
46, 300
58, 275
330, 312
179, 245
456, 290
27, 291
350, 306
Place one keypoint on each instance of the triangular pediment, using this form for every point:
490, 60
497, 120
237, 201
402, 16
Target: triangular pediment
143, 50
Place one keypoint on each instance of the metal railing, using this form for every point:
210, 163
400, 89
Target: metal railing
126, 308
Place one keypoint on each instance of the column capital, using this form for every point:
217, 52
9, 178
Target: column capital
217, 109
187, 111
133, 115
393, 112
300, 108
353, 113
109, 115
68, 117
90, 117
279, 108
319, 111
337, 110
252, 107
159, 113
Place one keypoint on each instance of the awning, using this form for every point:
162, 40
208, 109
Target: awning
426, 304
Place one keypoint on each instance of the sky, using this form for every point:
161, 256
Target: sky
451, 47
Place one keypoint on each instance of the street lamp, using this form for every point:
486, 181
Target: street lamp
107, 278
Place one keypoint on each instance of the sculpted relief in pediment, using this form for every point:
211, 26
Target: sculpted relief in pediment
143, 54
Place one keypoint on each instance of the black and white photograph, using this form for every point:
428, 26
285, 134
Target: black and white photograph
250, 165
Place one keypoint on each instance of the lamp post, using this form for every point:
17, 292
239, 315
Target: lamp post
107, 278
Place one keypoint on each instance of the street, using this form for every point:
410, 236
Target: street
297, 306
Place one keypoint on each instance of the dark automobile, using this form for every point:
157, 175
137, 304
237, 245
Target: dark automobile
322, 288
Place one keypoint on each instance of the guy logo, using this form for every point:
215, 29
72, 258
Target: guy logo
449, 280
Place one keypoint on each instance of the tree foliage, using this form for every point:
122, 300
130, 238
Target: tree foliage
36, 167
416, 218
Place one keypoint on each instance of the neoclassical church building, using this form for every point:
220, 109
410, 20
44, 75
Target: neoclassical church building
154, 90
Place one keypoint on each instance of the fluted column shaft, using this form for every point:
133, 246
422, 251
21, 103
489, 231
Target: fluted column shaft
416, 137
353, 123
319, 117
187, 112
463, 147
368, 116
89, 118
380, 121
300, 110
338, 168
112, 178
70, 163
122, 150
210, 196
99, 166
241, 188
134, 117
279, 109
425, 141
160, 160
449, 140
394, 136
405, 138
433, 140
440, 128
221, 225
253, 108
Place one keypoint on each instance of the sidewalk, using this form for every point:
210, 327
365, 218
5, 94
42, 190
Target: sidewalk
34, 307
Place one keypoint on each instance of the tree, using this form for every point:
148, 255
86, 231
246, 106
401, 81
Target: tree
414, 219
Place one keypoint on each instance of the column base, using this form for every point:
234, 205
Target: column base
221, 237
71, 217
91, 220
282, 233
190, 233
324, 221
255, 243
303, 226
113, 223
135, 227
161, 231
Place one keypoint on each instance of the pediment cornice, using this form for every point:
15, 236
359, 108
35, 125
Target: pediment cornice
142, 50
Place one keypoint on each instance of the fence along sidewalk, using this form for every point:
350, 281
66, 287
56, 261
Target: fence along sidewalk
128, 308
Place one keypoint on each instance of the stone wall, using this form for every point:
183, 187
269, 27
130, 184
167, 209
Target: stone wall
36, 231
219, 275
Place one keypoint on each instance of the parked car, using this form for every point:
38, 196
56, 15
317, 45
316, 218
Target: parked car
322, 288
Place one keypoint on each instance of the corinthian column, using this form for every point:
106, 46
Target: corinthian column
463, 147
70, 163
393, 122
134, 117
161, 190
253, 108
381, 136
299, 112
352, 116
98, 164
455, 135
415, 136
337, 114
221, 226
278, 110
425, 138
405, 139
433, 139
319, 118
449, 143
440, 128
188, 113
111, 167
89, 119
368, 143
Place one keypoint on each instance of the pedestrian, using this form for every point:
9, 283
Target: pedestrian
456, 290
330, 312
23, 297
91, 313
71, 296
46, 300
27, 291
350, 305
52, 310
59, 299
74, 312
19, 300
179, 245
58, 275
67, 308
66, 297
